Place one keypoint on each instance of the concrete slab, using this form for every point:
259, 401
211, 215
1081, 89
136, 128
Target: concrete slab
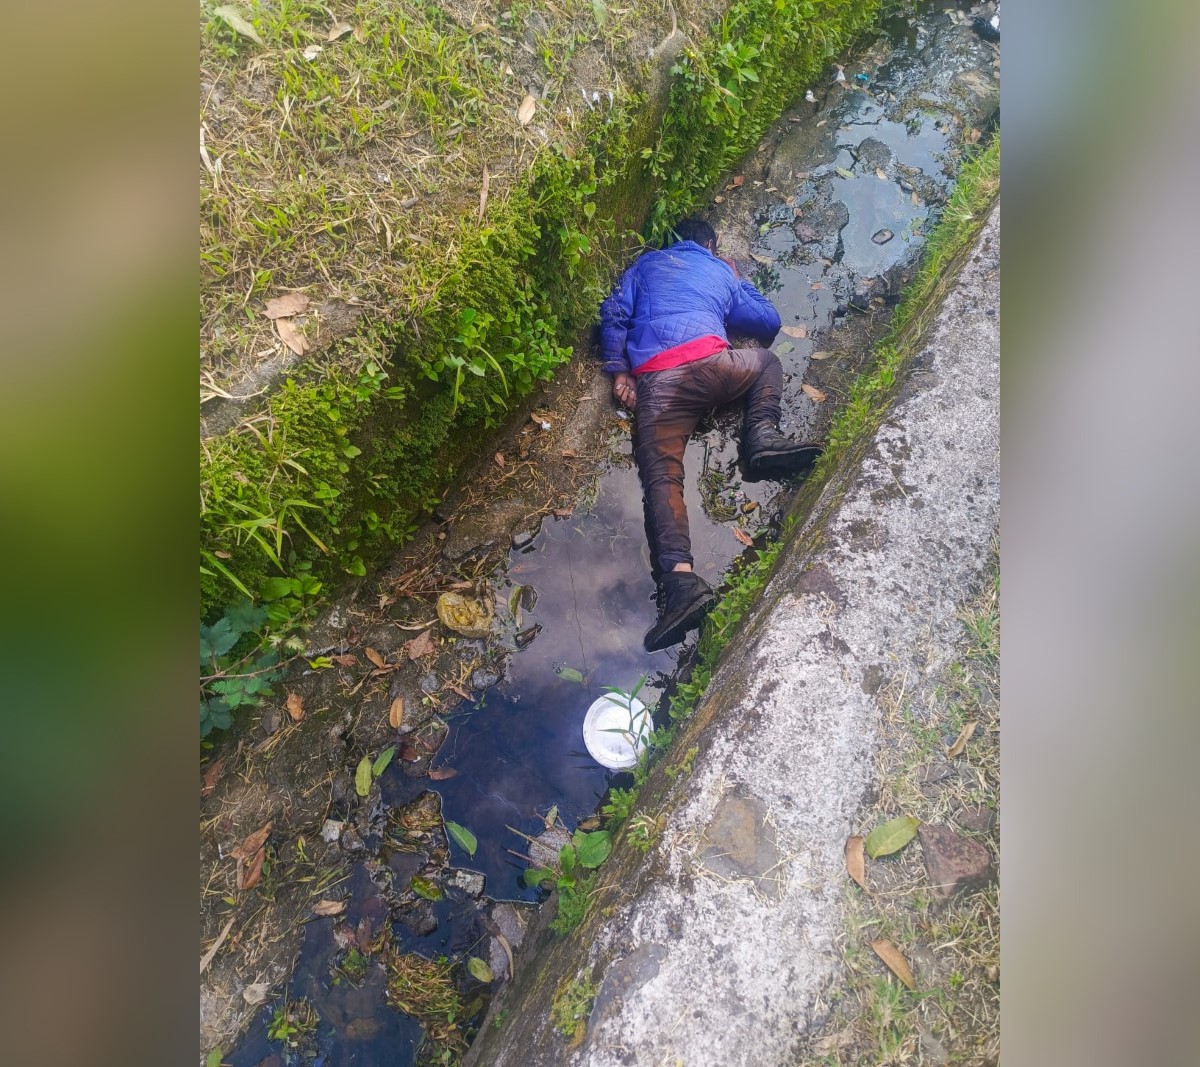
724, 938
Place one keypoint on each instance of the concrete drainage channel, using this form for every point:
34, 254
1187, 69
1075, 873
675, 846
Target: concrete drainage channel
736, 892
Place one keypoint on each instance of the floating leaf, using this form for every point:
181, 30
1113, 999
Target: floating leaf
820, 355
795, 331
382, 760
570, 674
463, 836
817, 285
423, 887
895, 960
782, 348
592, 849
362, 777
284, 307
214, 1058
856, 866
329, 907
843, 172
742, 536
237, 22
526, 110
440, 774
479, 969
960, 742
891, 836
375, 658
396, 713
551, 817
295, 707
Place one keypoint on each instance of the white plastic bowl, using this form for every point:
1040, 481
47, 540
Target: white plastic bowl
616, 751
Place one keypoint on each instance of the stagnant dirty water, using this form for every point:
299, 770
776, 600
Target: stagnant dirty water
827, 219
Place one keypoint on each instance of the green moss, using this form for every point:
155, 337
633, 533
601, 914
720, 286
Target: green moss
571, 1006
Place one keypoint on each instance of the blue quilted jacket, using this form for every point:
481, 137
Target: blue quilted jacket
676, 295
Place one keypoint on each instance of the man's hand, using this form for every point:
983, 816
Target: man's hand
730, 264
625, 390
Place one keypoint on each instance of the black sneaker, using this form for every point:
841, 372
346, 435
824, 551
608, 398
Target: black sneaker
684, 598
769, 454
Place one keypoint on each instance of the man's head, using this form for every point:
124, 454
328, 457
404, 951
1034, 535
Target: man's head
697, 230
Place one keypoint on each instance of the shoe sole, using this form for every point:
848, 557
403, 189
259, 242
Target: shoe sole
677, 632
784, 463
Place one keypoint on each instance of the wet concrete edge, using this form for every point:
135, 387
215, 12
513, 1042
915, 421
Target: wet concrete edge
789, 726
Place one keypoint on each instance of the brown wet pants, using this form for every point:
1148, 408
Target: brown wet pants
670, 403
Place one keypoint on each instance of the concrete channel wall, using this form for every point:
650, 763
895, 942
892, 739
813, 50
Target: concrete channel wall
716, 945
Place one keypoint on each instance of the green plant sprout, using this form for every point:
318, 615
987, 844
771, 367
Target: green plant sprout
639, 721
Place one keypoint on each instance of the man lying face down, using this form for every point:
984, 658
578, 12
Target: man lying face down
663, 339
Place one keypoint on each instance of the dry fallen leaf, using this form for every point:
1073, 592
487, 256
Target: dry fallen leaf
284, 307
762, 259
421, 645
234, 17
250, 875
960, 742
375, 658
742, 536
795, 331
817, 285
526, 110
822, 122
856, 865
339, 30
973, 136
396, 713
483, 192
346, 660
312, 51
212, 775
500, 460
256, 993
253, 842
329, 907
812, 392
915, 199
569, 453
440, 774
291, 336
738, 181
896, 962
879, 173
561, 513
295, 707
820, 355
718, 199
590, 824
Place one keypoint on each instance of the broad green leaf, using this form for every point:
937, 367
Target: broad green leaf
214, 1058
463, 836
593, 848
237, 21
600, 12
891, 836
479, 969
567, 859
362, 777
570, 674
423, 887
382, 760
845, 173
537, 875
274, 588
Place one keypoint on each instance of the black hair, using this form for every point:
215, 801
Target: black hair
694, 229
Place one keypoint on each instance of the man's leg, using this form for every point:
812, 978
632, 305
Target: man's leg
669, 406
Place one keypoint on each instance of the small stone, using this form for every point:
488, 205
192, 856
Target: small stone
545, 849
484, 679
470, 882
272, 719
954, 863
881, 237
977, 818
522, 539
993, 973
331, 830
524, 637
937, 772
351, 841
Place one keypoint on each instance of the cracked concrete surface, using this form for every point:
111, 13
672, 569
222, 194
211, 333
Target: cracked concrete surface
739, 912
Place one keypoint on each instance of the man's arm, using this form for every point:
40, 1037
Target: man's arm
752, 313
616, 313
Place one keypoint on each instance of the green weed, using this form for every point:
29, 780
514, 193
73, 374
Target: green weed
571, 1006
